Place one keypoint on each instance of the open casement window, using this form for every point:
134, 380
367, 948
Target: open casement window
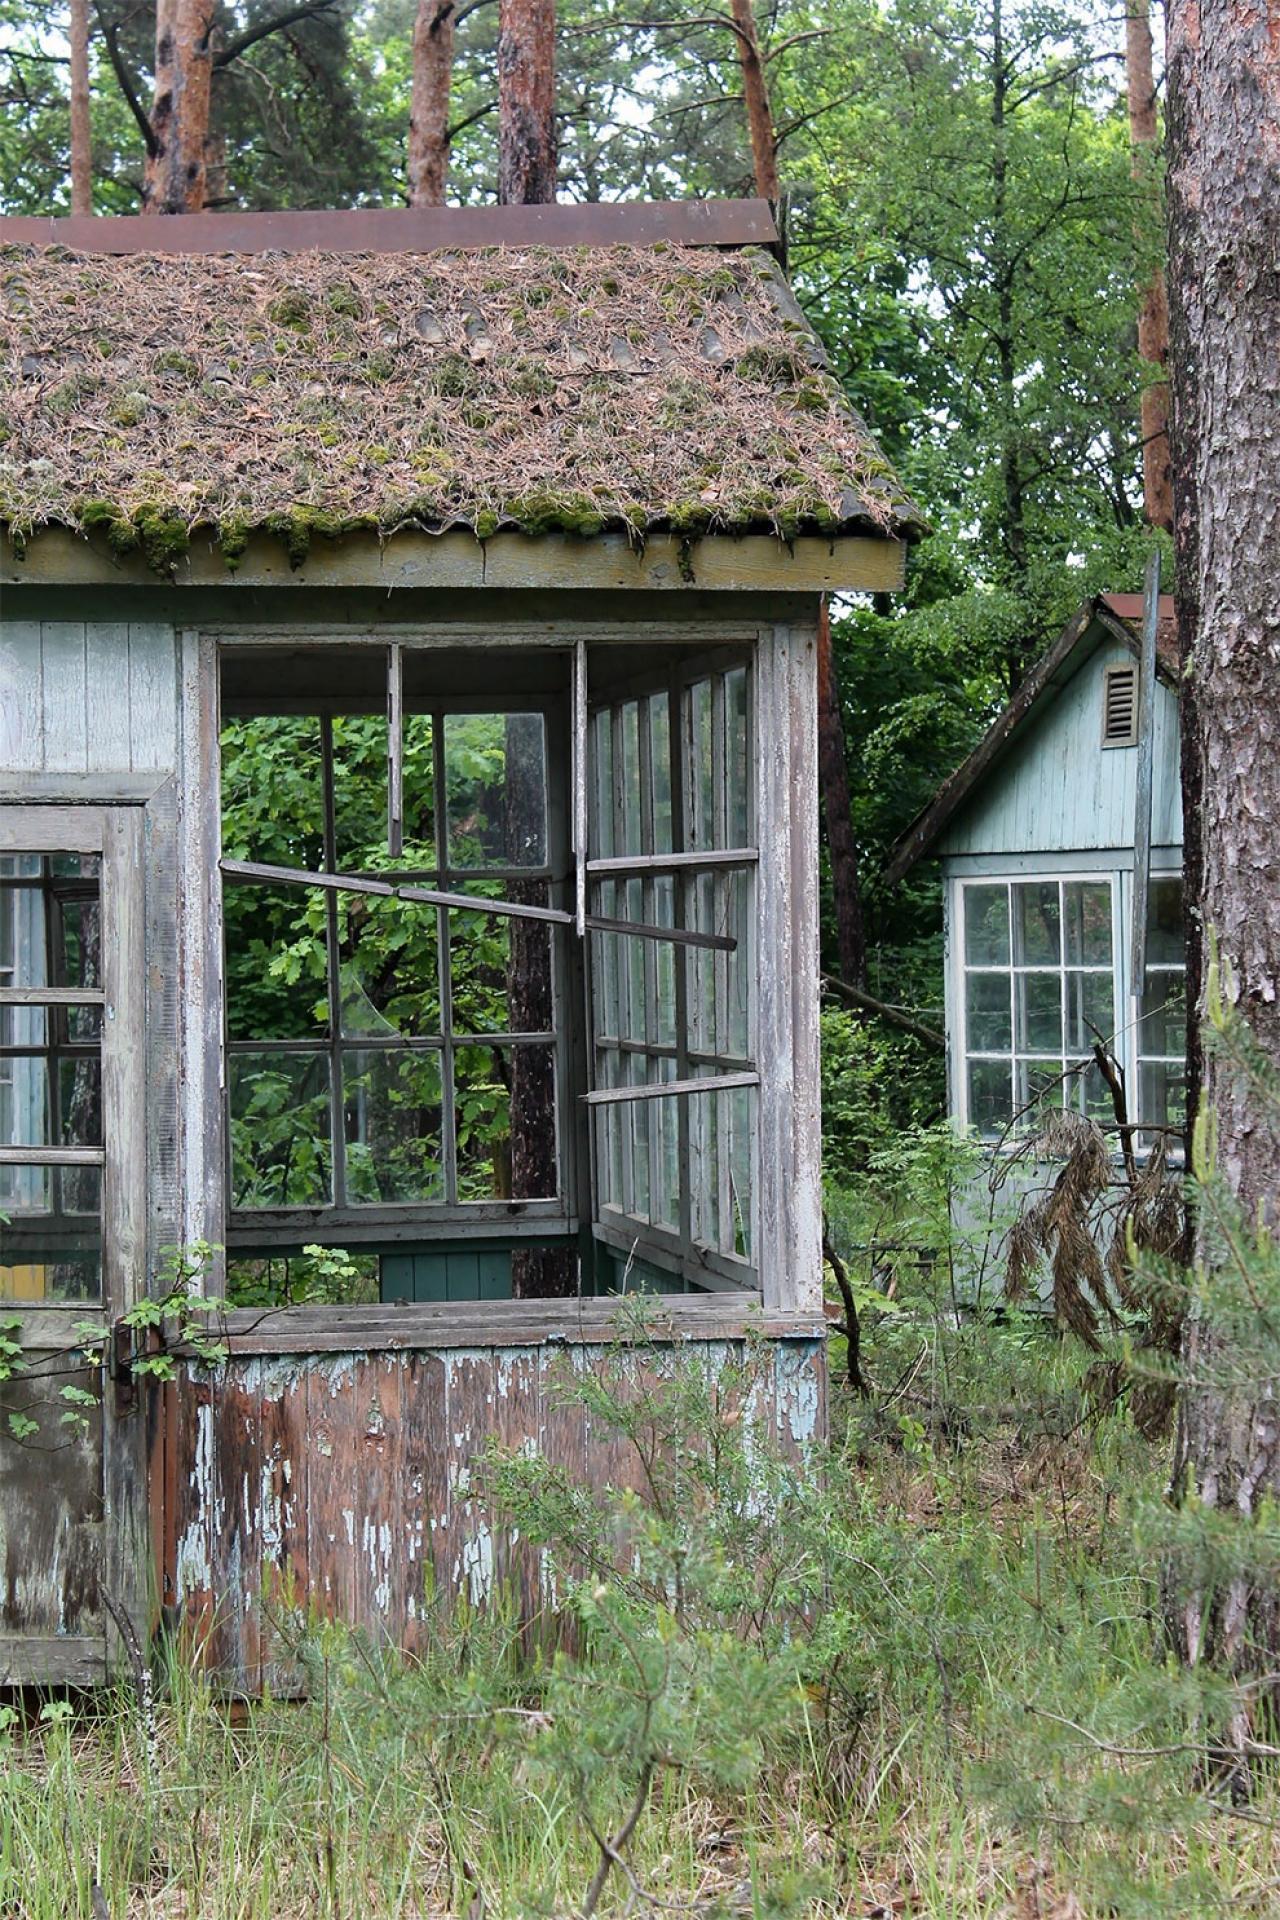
672, 1026
417, 1068
72, 1211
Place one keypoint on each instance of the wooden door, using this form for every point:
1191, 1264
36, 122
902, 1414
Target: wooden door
72, 1204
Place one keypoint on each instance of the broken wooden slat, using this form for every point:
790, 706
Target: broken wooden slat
668, 1089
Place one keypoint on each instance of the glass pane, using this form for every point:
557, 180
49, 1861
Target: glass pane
986, 926
501, 968
735, 890
1038, 1000
629, 795
988, 1015
277, 976
699, 769
392, 1126
1164, 922
1089, 1093
495, 775
1088, 913
280, 1130
660, 766
664, 1124
602, 787
51, 1239
1162, 1094
1163, 1026
49, 921
737, 768
704, 1167
51, 1101
272, 791
418, 784
1091, 1013
1038, 1084
990, 1104
634, 957
505, 1120
606, 963
359, 791
1037, 939
739, 1106
664, 961
389, 967
700, 912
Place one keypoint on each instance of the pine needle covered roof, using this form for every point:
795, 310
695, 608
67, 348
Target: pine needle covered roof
581, 389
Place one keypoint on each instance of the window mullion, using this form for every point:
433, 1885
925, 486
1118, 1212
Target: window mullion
337, 1104
444, 961
683, 881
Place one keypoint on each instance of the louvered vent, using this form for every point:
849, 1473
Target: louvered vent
1120, 707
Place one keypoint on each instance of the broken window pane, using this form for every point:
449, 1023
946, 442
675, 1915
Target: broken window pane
393, 1126
500, 967
389, 967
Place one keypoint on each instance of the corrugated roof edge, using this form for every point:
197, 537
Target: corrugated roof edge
1098, 619
690, 223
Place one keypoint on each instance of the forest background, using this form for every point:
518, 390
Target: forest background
966, 231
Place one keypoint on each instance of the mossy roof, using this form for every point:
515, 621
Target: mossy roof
578, 389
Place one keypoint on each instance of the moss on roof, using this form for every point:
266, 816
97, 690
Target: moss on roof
621, 387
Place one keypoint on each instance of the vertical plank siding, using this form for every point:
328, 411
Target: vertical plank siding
87, 697
1061, 791
343, 1482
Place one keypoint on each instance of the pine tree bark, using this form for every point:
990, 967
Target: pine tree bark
1153, 308
526, 102
81, 135
175, 177
1223, 125
433, 36
755, 92
842, 846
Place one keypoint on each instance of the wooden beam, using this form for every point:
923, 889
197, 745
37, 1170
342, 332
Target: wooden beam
720, 563
633, 223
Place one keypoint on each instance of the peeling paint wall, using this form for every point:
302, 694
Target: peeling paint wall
341, 1482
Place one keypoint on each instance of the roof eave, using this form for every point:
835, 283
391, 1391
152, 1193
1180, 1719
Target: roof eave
854, 561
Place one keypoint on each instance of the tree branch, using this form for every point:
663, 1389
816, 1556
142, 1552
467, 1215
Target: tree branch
308, 10
894, 1015
111, 38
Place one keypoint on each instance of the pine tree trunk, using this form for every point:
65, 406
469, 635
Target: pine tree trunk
1153, 309
81, 136
833, 776
433, 33
174, 181
1224, 284
755, 92
526, 102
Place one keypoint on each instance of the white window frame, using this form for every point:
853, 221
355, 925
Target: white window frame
1125, 1007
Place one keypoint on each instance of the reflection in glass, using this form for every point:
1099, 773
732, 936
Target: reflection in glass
50, 932
737, 766
51, 1101
1091, 1013
986, 926
276, 970
1163, 1093
281, 1154
392, 1126
987, 1013
1164, 922
496, 780
990, 1104
1038, 1084
1163, 1026
1037, 934
51, 1241
389, 967
660, 771
1038, 997
1088, 922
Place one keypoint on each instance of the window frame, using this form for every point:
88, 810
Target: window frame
1126, 1031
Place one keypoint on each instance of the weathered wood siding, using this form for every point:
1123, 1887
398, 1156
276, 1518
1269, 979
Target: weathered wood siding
87, 697
1062, 791
340, 1481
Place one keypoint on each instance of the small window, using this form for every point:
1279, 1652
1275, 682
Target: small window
1162, 1015
1120, 707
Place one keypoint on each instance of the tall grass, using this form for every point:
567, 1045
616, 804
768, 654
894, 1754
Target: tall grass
958, 1707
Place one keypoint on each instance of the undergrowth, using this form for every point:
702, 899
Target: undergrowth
920, 1677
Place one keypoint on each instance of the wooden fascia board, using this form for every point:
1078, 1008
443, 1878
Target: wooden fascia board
1064, 658
411, 559
1119, 629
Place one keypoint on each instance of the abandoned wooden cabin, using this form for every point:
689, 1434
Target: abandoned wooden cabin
1064, 820
408, 859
